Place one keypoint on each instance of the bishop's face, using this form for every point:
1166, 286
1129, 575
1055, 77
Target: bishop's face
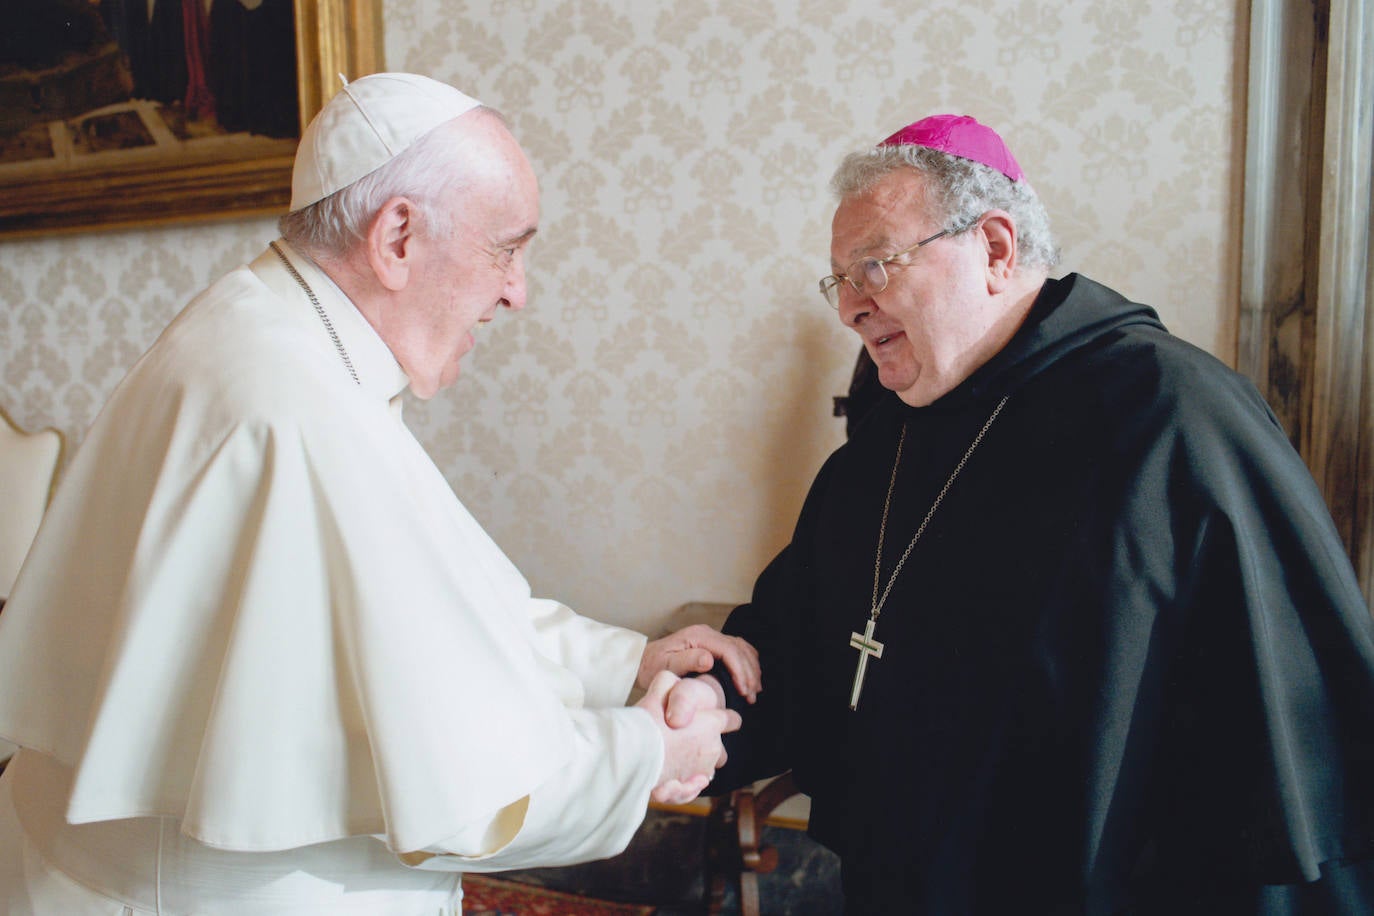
468, 275
923, 328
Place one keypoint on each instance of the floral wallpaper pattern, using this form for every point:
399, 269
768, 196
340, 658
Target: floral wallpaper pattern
642, 435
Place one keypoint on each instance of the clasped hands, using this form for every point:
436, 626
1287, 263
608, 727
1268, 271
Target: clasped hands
690, 712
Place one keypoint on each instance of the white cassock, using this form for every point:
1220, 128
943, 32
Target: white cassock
262, 661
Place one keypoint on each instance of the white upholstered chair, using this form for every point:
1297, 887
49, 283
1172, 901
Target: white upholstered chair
28, 467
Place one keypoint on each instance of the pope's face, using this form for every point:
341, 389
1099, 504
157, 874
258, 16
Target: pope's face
464, 278
922, 327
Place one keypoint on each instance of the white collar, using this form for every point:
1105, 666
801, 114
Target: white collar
378, 373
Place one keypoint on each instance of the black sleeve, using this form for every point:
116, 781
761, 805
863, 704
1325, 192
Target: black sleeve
1234, 703
1270, 739
772, 621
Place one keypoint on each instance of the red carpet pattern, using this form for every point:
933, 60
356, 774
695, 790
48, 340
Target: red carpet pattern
484, 896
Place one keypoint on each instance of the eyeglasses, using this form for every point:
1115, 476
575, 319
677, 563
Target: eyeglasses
868, 275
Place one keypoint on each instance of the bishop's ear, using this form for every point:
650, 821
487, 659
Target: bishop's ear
999, 240
390, 242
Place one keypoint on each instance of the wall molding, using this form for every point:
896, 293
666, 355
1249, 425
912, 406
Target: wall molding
1306, 332
1340, 447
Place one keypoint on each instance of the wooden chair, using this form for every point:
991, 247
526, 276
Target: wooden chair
735, 850
28, 469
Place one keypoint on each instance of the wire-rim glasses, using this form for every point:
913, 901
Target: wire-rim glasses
868, 275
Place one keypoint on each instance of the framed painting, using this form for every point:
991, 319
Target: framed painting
124, 113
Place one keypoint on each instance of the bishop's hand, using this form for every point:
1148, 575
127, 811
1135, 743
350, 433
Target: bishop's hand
694, 650
693, 750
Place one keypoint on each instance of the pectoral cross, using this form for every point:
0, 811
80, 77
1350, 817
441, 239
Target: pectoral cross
867, 646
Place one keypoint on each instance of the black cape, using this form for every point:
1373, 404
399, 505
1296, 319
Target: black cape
1127, 669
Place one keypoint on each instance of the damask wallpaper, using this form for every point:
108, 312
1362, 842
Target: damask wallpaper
642, 435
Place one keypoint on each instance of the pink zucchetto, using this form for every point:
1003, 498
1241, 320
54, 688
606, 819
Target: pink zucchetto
962, 136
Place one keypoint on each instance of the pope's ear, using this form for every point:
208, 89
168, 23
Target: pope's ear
390, 243
998, 231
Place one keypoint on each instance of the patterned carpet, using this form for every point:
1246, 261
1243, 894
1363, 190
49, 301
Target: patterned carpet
483, 896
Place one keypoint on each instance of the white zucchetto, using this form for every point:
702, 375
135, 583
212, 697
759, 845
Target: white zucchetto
367, 124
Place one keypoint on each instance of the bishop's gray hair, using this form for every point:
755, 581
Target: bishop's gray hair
963, 190
424, 173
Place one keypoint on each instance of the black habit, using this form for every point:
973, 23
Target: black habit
1127, 668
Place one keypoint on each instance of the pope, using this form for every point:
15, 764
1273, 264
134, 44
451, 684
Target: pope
260, 658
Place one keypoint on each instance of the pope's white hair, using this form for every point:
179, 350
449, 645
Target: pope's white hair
424, 173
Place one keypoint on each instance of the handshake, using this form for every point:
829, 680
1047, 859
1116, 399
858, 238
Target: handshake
690, 712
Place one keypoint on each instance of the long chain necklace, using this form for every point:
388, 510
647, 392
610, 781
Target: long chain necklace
868, 646
319, 310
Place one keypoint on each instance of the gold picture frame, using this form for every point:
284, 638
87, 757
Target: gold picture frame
133, 188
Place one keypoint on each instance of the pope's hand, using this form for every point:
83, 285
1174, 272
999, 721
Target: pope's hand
692, 752
694, 650
689, 696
